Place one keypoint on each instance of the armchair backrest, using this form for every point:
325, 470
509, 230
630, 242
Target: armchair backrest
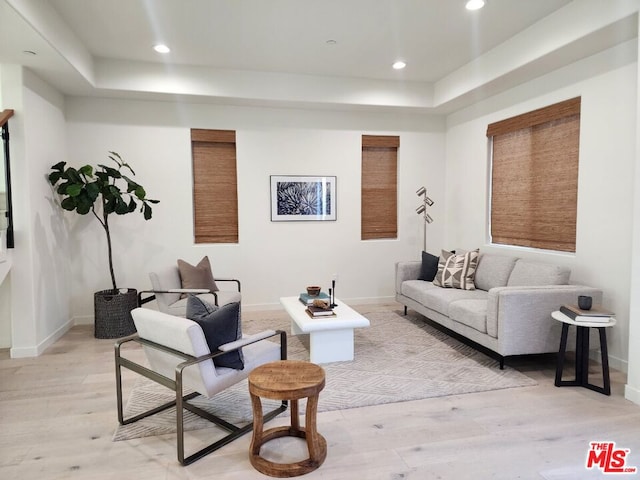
180, 334
166, 278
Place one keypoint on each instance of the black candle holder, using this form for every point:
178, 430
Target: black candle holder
332, 294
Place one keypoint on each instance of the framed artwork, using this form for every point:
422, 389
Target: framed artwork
302, 198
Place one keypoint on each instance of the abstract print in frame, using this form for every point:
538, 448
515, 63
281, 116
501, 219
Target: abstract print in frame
302, 198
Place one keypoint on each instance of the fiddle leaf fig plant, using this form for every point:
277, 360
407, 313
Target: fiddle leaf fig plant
102, 191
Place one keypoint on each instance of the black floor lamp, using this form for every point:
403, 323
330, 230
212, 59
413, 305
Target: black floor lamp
422, 209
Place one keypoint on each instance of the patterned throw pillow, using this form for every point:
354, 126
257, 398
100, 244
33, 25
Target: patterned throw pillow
457, 271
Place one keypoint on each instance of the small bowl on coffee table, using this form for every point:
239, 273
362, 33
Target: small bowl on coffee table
313, 291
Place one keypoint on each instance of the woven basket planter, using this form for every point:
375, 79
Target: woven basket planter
113, 313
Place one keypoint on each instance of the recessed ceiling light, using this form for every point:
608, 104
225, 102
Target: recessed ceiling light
331, 42
474, 4
160, 48
29, 52
399, 65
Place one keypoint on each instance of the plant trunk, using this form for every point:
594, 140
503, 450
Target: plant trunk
106, 229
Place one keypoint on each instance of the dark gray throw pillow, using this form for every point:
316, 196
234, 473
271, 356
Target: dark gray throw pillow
220, 325
429, 267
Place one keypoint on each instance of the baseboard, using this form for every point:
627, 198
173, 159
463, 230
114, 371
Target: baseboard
614, 362
632, 394
37, 350
256, 307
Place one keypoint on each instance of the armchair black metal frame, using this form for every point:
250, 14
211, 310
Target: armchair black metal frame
150, 295
181, 401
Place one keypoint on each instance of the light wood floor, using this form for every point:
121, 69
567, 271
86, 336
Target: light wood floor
58, 416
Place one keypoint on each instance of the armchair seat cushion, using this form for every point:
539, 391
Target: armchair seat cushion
255, 355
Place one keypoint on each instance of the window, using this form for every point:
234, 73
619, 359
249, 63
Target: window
534, 178
215, 192
379, 196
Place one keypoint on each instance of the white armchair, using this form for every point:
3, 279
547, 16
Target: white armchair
167, 291
179, 359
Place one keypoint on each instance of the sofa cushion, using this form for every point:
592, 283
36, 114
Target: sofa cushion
530, 274
493, 271
436, 298
415, 288
457, 271
469, 312
429, 267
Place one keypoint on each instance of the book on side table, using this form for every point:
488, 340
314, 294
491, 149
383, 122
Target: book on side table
595, 315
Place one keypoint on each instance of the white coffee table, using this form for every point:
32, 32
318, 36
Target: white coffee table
330, 339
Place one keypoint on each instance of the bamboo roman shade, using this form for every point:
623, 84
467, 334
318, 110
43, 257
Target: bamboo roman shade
534, 179
379, 195
215, 193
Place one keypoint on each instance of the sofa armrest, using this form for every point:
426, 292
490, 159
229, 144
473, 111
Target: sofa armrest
407, 271
521, 316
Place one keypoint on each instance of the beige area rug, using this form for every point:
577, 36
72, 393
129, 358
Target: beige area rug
399, 358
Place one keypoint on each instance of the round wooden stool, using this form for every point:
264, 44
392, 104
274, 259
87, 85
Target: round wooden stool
287, 380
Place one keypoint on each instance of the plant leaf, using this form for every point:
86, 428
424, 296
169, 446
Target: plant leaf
84, 205
112, 172
59, 166
93, 190
74, 190
121, 207
62, 188
131, 185
140, 193
147, 211
54, 177
87, 170
68, 203
73, 175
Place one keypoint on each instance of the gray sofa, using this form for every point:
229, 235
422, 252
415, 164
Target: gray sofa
509, 313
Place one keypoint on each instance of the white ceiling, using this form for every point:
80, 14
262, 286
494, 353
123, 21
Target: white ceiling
433, 36
270, 51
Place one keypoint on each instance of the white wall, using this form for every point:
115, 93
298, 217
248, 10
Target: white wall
632, 388
5, 258
605, 186
272, 259
39, 279
44, 127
